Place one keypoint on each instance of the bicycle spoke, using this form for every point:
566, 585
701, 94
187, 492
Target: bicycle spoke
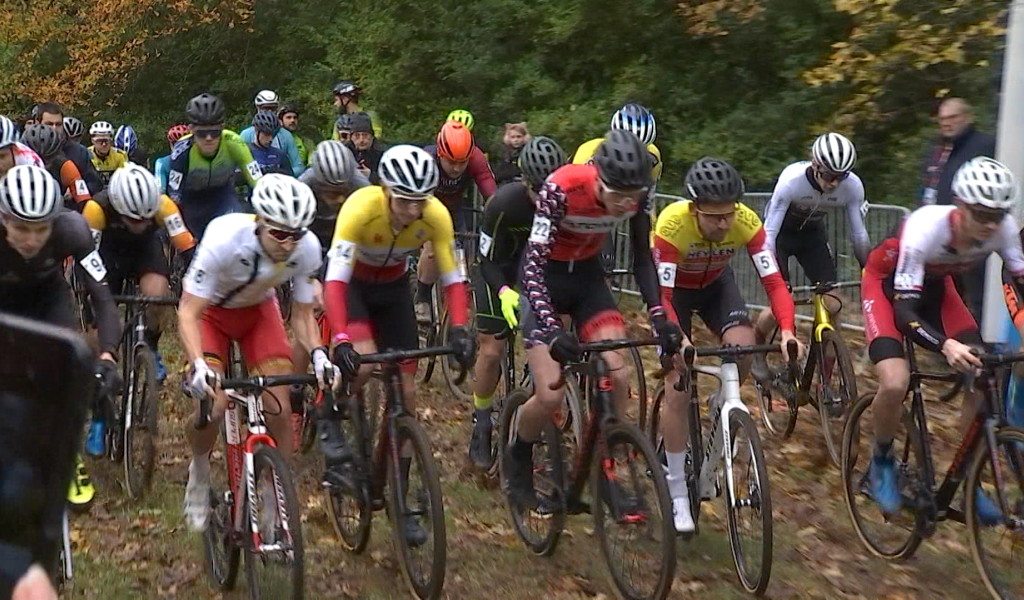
997, 533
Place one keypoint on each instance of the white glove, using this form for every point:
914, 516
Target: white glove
323, 367
204, 379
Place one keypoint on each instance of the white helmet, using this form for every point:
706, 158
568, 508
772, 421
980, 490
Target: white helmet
101, 128
8, 132
834, 152
266, 97
29, 193
408, 171
133, 192
73, 127
284, 200
639, 120
985, 182
333, 162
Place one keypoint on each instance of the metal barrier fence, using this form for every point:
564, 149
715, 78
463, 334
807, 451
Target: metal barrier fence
879, 221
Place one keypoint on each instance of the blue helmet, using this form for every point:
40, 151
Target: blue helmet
125, 139
639, 120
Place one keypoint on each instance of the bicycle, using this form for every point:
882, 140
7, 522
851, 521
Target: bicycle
62, 570
622, 468
134, 426
746, 487
356, 488
830, 397
271, 537
989, 444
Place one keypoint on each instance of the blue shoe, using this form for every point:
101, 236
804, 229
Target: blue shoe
161, 370
884, 488
987, 510
95, 443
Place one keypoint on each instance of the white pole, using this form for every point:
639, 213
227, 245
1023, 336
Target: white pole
1010, 152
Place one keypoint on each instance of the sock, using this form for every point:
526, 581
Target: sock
676, 474
522, 449
200, 465
483, 403
423, 291
153, 339
883, 448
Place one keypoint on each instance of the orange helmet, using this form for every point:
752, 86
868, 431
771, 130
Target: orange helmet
454, 142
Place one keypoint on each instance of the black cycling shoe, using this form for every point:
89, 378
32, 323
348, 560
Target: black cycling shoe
415, 534
518, 472
623, 503
332, 441
480, 443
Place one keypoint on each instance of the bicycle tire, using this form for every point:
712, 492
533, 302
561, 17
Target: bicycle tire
641, 383
308, 437
354, 538
408, 431
834, 412
660, 533
425, 366
266, 457
857, 450
450, 366
222, 555
760, 500
549, 527
1011, 440
143, 404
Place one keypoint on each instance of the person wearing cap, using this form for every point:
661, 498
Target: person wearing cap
283, 139
366, 149
347, 99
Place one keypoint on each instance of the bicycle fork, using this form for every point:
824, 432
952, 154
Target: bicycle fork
718, 453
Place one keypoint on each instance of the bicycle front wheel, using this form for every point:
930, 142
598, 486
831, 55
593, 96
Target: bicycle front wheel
633, 514
997, 537
450, 366
836, 391
275, 567
749, 506
417, 511
140, 419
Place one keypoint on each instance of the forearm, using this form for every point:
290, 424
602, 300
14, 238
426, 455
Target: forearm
909, 321
303, 323
188, 331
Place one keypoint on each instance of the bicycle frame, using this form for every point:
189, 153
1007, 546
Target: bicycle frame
715, 456
602, 413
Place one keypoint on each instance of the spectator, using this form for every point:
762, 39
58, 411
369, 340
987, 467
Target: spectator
347, 99
289, 117
366, 148
958, 143
52, 115
506, 168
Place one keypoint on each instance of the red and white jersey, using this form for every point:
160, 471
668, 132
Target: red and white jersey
23, 155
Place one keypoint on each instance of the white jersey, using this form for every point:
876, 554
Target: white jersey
925, 248
232, 270
797, 200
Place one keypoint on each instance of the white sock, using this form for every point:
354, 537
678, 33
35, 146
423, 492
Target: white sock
676, 474
200, 465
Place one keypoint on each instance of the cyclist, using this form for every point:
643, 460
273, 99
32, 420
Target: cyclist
162, 165
907, 289
127, 141
507, 220
270, 159
459, 161
640, 121
13, 152
52, 115
462, 116
105, 158
694, 241
333, 177
289, 117
365, 148
46, 142
367, 292
125, 230
229, 295
201, 179
795, 216
577, 208
282, 138
74, 129
347, 96
37, 237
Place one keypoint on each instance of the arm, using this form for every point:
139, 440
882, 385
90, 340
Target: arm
190, 312
643, 263
161, 174
481, 173
340, 265
908, 283
667, 257
244, 161
96, 220
451, 275
775, 213
774, 285
171, 220
71, 179
303, 320
546, 220
856, 208
92, 273
292, 149
493, 236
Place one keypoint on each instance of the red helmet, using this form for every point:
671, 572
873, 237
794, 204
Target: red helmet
176, 133
454, 142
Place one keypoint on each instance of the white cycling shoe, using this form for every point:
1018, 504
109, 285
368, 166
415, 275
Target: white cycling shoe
681, 515
197, 497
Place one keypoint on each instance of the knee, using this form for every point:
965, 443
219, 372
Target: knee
892, 387
550, 400
488, 348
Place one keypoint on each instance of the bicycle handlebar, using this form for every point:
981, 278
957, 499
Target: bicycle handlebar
400, 355
605, 346
690, 353
824, 288
170, 300
253, 384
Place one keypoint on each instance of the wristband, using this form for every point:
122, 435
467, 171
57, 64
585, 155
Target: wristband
656, 311
200, 363
340, 338
502, 289
320, 348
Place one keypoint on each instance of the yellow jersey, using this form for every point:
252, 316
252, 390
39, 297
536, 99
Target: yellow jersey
102, 217
585, 154
367, 247
106, 166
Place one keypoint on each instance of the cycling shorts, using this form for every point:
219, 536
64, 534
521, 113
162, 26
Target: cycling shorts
719, 304
139, 257
577, 289
259, 331
941, 307
811, 249
489, 319
384, 313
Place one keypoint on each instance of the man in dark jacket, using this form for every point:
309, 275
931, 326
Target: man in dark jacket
958, 143
365, 146
52, 115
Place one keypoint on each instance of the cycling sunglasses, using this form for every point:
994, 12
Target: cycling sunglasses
829, 176
207, 134
285, 235
981, 215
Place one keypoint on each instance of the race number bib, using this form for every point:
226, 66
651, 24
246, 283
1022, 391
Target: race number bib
174, 224
541, 231
486, 242
254, 170
764, 262
667, 274
174, 179
80, 188
94, 266
344, 252
97, 235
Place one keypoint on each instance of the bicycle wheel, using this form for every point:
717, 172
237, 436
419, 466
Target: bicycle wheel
425, 366
570, 421
637, 390
140, 423
308, 436
996, 547
497, 408
275, 568
778, 414
450, 366
749, 506
540, 532
221, 552
633, 514
423, 560
349, 507
835, 391
893, 537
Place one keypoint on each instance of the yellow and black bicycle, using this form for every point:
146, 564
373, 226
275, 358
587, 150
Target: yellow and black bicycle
834, 389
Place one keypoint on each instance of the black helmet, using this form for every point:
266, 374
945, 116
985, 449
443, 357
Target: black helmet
623, 161
205, 109
287, 108
264, 121
539, 158
713, 180
360, 122
43, 139
347, 88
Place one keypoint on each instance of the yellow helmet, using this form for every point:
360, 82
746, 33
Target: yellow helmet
462, 116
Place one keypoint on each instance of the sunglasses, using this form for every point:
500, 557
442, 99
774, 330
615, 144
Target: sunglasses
99, 140
207, 134
829, 176
407, 199
715, 215
286, 235
986, 216
625, 196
